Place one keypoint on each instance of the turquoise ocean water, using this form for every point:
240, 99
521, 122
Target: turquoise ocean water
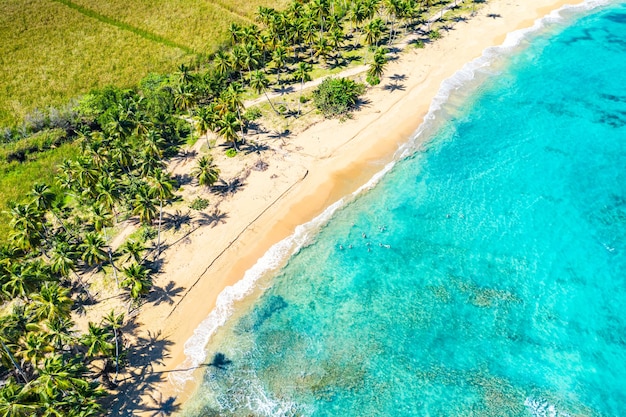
484, 275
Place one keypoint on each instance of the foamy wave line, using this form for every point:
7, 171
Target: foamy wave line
469, 71
277, 254
224, 306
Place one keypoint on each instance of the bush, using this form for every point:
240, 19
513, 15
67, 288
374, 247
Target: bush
231, 153
372, 80
336, 96
434, 34
199, 204
252, 113
419, 44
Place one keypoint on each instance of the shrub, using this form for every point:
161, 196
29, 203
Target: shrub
336, 96
199, 204
231, 153
252, 113
419, 44
372, 80
434, 34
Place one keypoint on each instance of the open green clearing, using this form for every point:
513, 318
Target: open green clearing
52, 51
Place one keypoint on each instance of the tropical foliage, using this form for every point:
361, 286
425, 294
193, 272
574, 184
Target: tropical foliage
117, 142
337, 96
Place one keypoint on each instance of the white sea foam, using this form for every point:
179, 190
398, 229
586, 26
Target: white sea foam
468, 73
542, 408
277, 254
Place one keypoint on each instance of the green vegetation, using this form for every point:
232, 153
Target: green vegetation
51, 53
55, 50
199, 204
116, 142
337, 96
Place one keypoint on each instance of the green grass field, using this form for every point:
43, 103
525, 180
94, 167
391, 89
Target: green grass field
54, 50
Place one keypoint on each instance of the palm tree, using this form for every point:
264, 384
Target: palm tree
62, 261
184, 74
206, 120
27, 224
133, 249
222, 62
138, 280
97, 341
377, 67
319, 11
250, 55
206, 171
115, 322
59, 331
228, 128
21, 280
302, 73
235, 32
279, 58
35, 348
322, 48
15, 402
51, 303
161, 186
144, 204
259, 82
92, 249
374, 31
108, 193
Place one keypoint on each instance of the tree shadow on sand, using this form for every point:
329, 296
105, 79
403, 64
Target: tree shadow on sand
211, 219
165, 294
133, 392
224, 187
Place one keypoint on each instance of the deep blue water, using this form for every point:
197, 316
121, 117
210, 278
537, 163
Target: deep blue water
485, 275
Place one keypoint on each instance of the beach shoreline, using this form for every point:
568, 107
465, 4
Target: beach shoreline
316, 168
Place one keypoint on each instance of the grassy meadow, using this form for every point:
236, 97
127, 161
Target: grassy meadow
52, 51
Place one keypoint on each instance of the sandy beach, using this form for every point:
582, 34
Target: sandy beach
306, 174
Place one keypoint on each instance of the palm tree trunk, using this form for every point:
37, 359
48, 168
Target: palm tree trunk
300, 99
270, 101
17, 367
159, 230
117, 355
104, 230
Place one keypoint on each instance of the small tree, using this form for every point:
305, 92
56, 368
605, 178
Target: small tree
337, 96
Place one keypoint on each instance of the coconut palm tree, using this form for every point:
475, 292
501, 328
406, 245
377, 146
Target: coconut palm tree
302, 73
114, 322
222, 63
279, 59
92, 249
97, 341
206, 171
138, 280
161, 186
27, 224
377, 66
144, 204
228, 127
15, 401
52, 302
259, 82
132, 249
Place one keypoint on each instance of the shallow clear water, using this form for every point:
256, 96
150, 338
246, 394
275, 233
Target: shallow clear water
483, 276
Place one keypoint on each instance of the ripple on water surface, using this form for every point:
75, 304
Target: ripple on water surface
483, 276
